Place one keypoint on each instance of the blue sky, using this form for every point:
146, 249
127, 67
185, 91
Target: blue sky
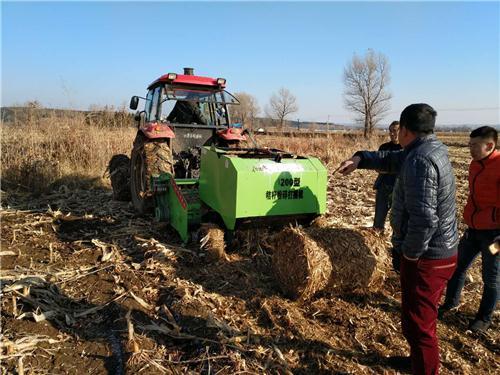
76, 54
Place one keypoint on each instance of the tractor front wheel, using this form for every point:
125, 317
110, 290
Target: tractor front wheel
149, 158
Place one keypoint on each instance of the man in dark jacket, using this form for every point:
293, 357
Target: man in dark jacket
424, 223
384, 184
186, 112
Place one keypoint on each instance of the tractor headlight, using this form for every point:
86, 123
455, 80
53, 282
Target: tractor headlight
221, 81
171, 76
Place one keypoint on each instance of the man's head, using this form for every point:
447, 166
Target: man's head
416, 120
483, 142
393, 131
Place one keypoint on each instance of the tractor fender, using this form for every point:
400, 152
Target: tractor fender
153, 130
232, 134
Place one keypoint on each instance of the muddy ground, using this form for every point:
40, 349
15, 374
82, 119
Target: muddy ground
88, 287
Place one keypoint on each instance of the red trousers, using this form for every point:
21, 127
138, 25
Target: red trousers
422, 284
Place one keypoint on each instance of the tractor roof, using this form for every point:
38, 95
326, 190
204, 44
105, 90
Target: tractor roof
191, 80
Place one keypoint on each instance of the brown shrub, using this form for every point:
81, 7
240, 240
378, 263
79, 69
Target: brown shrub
331, 150
43, 152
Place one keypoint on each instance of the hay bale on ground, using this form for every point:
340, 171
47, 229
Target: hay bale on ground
334, 260
212, 241
301, 266
358, 256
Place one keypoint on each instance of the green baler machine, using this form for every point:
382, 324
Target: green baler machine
244, 187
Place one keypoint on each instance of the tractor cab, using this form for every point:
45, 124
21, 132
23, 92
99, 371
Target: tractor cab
211, 103
192, 109
203, 94
182, 113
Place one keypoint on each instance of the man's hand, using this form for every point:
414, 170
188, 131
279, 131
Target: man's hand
495, 246
348, 166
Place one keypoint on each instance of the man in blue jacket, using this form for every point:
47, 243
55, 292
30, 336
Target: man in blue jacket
424, 224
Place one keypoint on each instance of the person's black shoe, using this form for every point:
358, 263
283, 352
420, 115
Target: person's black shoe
479, 326
444, 309
399, 363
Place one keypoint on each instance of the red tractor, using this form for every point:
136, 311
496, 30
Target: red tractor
182, 112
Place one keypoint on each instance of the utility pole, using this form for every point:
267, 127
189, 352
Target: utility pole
298, 124
328, 126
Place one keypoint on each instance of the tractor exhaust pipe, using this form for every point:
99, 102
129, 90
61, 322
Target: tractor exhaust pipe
189, 71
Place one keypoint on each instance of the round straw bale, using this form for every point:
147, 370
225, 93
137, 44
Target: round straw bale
358, 257
300, 266
212, 241
333, 260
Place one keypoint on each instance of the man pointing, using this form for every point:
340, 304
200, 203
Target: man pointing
423, 220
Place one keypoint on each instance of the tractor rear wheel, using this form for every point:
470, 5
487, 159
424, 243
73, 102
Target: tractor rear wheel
149, 158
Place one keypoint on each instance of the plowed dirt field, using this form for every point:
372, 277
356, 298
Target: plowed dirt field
88, 287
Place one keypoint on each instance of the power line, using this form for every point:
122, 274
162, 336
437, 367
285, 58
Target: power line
460, 109
469, 109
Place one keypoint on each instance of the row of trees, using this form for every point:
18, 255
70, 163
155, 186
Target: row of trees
281, 105
366, 79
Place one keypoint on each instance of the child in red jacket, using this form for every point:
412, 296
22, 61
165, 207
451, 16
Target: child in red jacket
482, 215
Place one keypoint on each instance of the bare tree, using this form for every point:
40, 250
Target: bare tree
281, 105
248, 109
33, 104
366, 80
33, 111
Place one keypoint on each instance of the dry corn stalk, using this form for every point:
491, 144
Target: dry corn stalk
14, 305
140, 301
132, 343
51, 258
20, 366
212, 242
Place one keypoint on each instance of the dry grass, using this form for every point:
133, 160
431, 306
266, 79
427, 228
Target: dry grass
331, 150
45, 152
42, 150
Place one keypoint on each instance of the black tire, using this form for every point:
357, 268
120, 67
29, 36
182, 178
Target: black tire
119, 174
149, 158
